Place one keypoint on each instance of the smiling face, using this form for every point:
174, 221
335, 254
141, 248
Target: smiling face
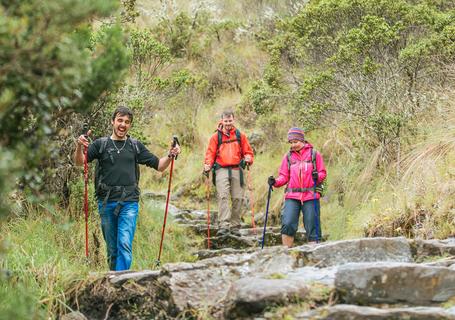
228, 122
120, 126
296, 145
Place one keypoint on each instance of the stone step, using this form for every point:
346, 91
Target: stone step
231, 241
393, 282
187, 214
204, 254
193, 222
245, 229
353, 312
355, 250
241, 242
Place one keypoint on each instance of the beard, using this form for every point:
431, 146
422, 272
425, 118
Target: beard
121, 133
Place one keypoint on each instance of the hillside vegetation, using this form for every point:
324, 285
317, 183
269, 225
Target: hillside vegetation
371, 83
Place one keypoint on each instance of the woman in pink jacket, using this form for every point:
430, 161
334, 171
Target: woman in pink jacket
300, 178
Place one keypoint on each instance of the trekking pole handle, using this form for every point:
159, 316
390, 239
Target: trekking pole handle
85, 129
175, 142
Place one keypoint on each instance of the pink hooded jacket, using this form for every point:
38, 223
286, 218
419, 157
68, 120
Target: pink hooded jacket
300, 173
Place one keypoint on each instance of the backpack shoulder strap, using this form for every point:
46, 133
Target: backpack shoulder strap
135, 146
239, 139
98, 177
237, 135
313, 159
289, 161
220, 139
103, 144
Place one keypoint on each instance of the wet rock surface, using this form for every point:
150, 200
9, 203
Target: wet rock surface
370, 278
353, 312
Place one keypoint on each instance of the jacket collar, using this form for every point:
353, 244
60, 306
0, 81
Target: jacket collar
228, 134
303, 151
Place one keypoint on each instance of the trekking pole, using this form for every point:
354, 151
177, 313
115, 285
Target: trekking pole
250, 187
207, 182
266, 215
316, 211
84, 132
174, 143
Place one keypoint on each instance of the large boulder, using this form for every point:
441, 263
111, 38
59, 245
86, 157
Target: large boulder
358, 250
367, 283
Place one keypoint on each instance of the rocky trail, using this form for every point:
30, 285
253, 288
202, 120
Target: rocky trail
368, 278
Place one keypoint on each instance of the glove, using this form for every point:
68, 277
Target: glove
315, 175
320, 189
271, 181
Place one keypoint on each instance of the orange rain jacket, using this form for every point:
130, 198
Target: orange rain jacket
229, 153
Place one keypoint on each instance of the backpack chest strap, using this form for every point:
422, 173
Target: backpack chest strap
288, 190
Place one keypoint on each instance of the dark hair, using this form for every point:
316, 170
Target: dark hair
123, 111
227, 114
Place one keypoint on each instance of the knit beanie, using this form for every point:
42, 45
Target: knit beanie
296, 134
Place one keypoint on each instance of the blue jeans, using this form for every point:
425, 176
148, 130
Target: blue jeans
118, 232
290, 218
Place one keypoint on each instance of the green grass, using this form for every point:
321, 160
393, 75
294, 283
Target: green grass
18, 302
45, 253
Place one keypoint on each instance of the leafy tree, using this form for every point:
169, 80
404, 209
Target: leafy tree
365, 62
51, 66
149, 56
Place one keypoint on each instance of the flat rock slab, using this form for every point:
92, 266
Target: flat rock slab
232, 241
424, 249
205, 254
139, 276
252, 295
259, 230
186, 214
358, 250
367, 283
352, 312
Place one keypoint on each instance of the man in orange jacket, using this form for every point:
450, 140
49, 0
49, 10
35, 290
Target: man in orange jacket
227, 154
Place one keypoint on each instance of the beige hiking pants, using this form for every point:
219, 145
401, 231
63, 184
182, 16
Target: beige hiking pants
226, 191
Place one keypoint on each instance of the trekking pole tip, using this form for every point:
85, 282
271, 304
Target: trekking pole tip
157, 263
